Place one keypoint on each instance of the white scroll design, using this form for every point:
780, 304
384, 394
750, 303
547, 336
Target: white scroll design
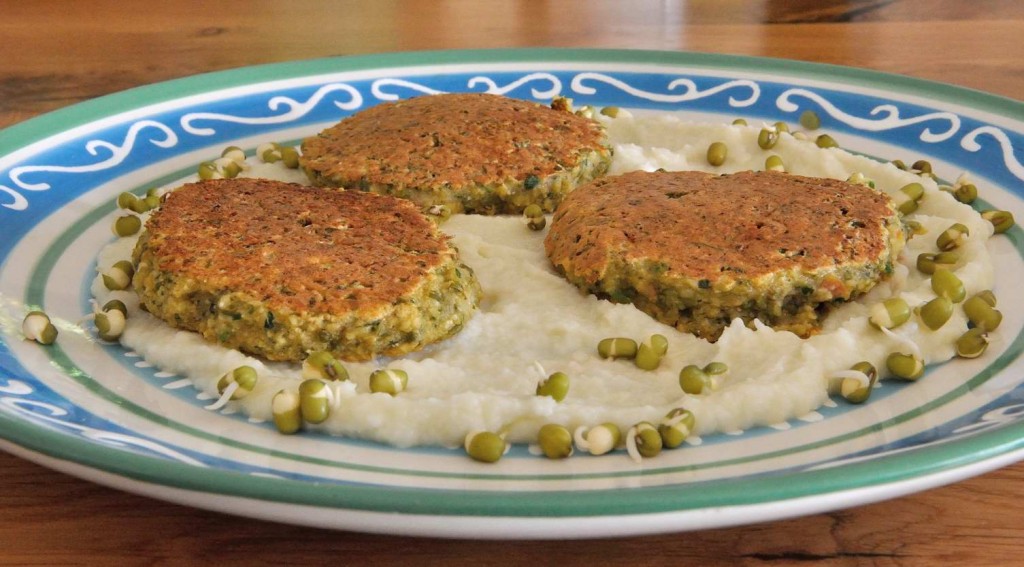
118, 153
994, 418
53, 415
19, 202
376, 89
970, 143
293, 110
890, 119
493, 88
691, 92
15, 388
990, 419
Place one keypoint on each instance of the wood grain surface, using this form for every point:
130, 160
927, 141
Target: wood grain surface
54, 54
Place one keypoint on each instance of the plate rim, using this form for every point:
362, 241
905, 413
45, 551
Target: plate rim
948, 456
506, 527
933, 459
77, 114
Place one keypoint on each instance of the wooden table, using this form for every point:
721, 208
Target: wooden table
58, 53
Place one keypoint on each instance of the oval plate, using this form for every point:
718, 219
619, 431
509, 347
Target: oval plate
100, 412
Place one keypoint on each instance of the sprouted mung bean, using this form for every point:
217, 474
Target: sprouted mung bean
36, 326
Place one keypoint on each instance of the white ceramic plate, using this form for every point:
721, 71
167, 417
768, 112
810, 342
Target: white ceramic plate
99, 412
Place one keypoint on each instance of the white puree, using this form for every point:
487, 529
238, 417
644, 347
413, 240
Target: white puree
485, 377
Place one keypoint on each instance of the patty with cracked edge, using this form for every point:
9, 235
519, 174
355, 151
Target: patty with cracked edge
696, 250
473, 153
281, 270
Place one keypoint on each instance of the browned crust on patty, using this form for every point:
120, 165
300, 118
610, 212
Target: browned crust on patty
751, 243
472, 152
280, 270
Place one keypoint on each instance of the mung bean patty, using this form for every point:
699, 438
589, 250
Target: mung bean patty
280, 270
696, 250
473, 153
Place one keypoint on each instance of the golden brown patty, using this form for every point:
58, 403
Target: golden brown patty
475, 153
281, 270
696, 250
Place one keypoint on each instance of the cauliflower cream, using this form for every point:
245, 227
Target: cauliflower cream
532, 322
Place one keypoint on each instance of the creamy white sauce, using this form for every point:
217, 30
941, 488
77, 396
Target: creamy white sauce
485, 377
